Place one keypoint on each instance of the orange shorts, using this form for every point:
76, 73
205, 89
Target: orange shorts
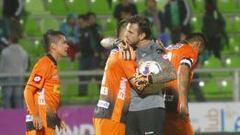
108, 127
44, 131
175, 125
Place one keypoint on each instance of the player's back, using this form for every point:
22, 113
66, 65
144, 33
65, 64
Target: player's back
115, 90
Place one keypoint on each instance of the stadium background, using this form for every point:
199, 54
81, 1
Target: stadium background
219, 84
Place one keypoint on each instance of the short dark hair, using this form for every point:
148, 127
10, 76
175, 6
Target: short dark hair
90, 14
83, 16
199, 37
143, 24
52, 36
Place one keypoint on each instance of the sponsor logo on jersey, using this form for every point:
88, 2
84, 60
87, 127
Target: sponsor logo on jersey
37, 78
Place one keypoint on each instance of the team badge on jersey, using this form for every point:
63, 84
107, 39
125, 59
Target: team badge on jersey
37, 78
149, 67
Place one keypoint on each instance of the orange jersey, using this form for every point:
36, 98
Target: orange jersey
45, 77
181, 54
115, 91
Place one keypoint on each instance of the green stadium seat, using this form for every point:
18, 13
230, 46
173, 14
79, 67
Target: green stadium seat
212, 62
217, 88
67, 65
27, 45
209, 86
31, 27
227, 5
161, 4
109, 28
199, 8
234, 46
236, 23
233, 62
229, 24
196, 22
35, 7
141, 5
34, 49
57, 7
49, 22
69, 90
78, 6
93, 88
101, 7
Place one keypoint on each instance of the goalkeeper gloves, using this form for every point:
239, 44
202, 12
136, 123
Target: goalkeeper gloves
140, 82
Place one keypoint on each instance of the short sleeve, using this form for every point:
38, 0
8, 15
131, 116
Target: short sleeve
39, 74
189, 58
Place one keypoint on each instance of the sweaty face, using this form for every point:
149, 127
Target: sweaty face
62, 46
132, 34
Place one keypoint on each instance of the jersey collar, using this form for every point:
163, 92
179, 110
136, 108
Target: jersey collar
52, 59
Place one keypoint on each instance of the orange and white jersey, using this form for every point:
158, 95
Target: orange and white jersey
181, 54
45, 77
115, 90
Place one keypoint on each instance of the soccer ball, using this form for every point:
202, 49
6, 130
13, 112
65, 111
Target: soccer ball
147, 68
150, 67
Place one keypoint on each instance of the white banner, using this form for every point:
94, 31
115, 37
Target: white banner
215, 116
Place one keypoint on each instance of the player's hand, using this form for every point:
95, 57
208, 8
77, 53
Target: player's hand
126, 51
62, 126
140, 82
37, 123
183, 110
108, 43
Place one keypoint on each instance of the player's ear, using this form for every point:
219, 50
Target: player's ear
142, 36
52, 46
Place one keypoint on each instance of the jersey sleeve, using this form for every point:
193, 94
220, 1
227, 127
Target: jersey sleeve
38, 75
189, 58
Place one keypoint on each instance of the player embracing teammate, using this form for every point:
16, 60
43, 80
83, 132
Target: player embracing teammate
183, 56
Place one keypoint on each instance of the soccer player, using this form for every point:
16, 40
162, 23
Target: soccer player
146, 112
112, 106
184, 57
41, 93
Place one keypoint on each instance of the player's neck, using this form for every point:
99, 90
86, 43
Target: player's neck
55, 55
143, 43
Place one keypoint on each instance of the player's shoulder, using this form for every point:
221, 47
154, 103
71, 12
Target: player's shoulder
181, 48
43, 62
114, 52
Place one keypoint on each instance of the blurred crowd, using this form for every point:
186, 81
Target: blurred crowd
170, 25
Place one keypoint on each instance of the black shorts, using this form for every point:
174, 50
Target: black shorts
146, 122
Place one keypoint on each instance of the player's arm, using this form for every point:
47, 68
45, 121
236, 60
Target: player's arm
109, 42
127, 52
61, 124
167, 74
129, 68
183, 76
29, 93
